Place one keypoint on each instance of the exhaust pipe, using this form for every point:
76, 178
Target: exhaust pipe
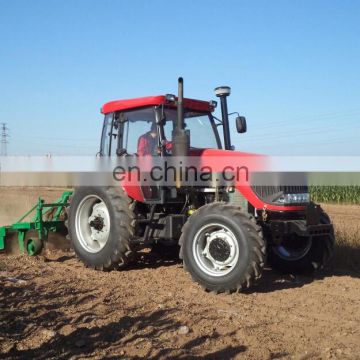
180, 104
180, 137
223, 92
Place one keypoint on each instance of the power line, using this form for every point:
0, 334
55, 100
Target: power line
4, 139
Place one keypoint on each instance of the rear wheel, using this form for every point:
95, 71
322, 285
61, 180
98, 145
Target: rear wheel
302, 255
222, 248
100, 225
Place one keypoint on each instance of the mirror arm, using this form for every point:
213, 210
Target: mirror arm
220, 121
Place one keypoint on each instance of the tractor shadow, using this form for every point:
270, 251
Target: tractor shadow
155, 258
37, 331
345, 262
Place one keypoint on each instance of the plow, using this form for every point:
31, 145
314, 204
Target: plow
29, 237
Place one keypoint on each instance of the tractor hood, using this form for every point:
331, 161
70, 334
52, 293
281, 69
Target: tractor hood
224, 160
221, 153
228, 161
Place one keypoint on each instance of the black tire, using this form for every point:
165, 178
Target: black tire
320, 251
248, 235
117, 251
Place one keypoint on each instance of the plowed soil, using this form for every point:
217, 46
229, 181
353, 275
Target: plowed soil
52, 307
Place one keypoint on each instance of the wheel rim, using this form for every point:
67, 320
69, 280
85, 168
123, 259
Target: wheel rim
215, 249
294, 248
92, 223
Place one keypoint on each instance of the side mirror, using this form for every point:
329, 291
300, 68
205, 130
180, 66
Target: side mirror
241, 124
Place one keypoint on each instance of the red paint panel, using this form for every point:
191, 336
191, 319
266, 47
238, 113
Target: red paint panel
121, 105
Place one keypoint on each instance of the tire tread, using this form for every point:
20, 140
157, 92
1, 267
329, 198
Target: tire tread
255, 237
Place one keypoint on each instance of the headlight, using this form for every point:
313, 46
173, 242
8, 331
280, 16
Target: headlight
287, 199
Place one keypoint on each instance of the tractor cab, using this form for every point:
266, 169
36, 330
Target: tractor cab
129, 125
150, 125
124, 130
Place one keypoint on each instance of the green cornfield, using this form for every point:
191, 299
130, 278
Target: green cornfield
335, 194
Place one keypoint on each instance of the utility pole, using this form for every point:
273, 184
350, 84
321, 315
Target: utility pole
4, 139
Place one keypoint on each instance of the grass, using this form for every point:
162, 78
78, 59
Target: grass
335, 194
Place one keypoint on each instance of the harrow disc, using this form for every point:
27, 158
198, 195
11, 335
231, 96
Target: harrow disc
32, 244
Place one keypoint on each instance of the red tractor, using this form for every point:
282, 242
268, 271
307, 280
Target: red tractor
223, 246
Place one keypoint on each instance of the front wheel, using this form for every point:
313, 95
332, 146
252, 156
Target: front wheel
222, 248
302, 255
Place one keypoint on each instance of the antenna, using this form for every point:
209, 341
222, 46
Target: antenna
4, 139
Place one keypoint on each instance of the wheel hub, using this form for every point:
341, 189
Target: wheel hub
216, 249
92, 222
219, 249
97, 223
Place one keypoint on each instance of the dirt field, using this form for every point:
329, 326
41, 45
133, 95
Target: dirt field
53, 307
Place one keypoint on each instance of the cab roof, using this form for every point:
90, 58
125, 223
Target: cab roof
129, 104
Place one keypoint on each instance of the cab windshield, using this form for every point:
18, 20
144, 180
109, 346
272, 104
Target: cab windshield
203, 131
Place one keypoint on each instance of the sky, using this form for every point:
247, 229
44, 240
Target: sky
293, 67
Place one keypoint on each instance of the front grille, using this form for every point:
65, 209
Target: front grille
271, 193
